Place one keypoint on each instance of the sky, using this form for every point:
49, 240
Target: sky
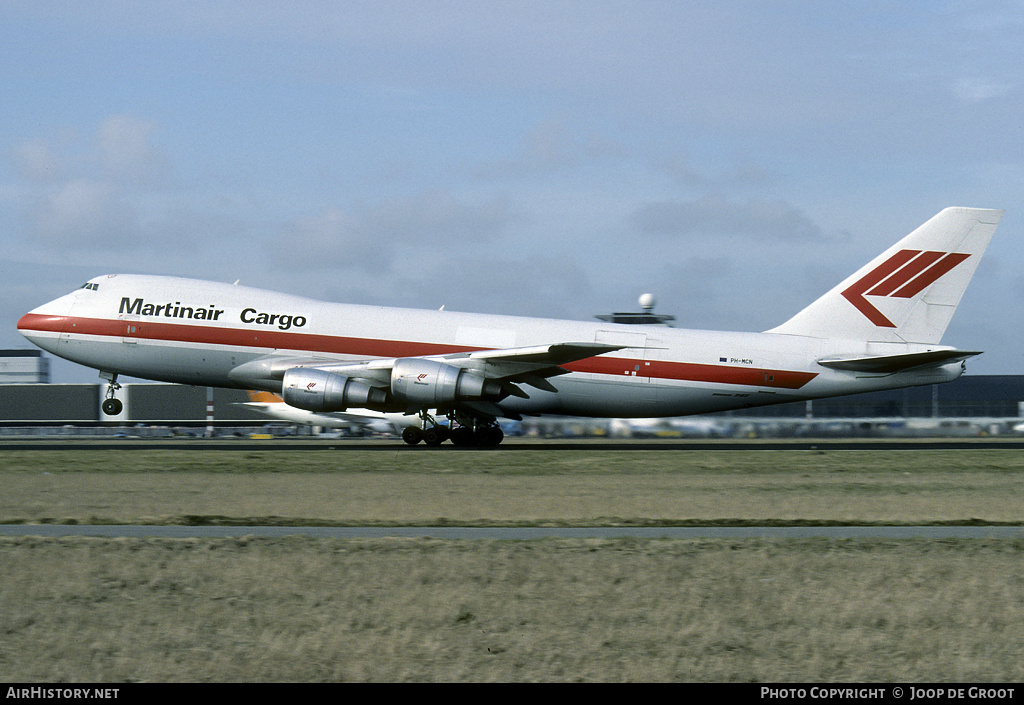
735, 159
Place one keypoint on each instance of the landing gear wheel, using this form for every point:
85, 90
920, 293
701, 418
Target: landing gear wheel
435, 435
463, 436
412, 435
490, 436
112, 407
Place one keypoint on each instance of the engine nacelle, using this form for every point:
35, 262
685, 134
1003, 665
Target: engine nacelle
429, 383
317, 390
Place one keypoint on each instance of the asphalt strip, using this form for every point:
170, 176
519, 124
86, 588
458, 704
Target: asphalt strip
518, 533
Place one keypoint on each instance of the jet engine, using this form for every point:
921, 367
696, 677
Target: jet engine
316, 390
430, 383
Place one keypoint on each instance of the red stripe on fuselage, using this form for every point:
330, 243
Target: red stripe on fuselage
693, 372
376, 348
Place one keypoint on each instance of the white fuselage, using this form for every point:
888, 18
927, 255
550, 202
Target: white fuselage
196, 332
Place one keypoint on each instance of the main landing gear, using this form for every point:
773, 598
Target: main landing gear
462, 430
111, 405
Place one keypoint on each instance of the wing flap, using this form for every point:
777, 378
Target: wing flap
548, 355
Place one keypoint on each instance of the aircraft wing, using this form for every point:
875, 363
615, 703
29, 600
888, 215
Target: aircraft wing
531, 365
888, 364
527, 365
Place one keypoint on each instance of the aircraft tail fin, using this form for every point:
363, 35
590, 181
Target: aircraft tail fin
909, 292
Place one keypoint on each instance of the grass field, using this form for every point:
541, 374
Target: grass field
298, 609
564, 487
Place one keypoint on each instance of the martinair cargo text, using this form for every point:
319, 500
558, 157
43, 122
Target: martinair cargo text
878, 329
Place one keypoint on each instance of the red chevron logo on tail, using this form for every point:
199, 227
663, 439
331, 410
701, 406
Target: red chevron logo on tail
904, 275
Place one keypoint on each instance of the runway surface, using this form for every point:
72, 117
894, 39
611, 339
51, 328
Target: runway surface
520, 533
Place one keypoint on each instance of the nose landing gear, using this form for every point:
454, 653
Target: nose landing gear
111, 405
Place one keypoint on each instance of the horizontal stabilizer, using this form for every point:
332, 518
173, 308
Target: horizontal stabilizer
885, 364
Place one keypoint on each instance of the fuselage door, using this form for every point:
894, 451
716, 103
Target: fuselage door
130, 329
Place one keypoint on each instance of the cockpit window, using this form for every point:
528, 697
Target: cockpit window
91, 286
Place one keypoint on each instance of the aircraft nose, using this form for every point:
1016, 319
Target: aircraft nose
43, 325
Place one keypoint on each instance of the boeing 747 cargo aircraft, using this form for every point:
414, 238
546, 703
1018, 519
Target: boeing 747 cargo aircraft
878, 329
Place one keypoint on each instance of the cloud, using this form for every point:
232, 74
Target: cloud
540, 285
124, 148
84, 214
688, 172
773, 220
372, 237
332, 238
551, 147
121, 149
84, 195
37, 160
978, 91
